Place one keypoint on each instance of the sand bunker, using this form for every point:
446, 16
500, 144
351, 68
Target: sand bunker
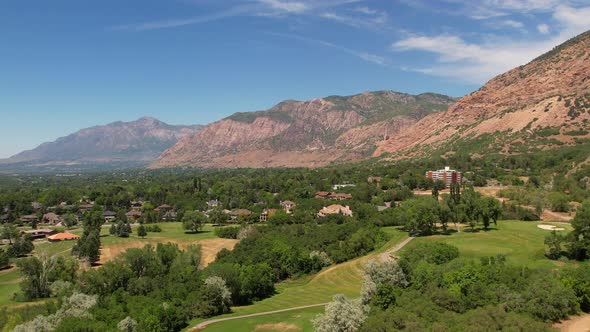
550, 228
277, 327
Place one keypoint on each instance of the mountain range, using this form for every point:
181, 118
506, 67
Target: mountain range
135, 143
544, 104
303, 133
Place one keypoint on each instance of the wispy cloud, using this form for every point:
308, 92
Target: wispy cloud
286, 6
543, 28
512, 24
364, 16
365, 56
477, 62
173, 23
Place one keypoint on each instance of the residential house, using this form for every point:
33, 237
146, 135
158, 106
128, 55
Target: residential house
288, 206
340, 196
374, 179
332, 195
343, 185
384, 207
335, 209
109, 216
163, 208
133, 215
62, 237
169, 216
213, 204
36, 206
86, 207
29, 218
39, 233
137, 205
322, 194
237, 213
266, 213
51, 218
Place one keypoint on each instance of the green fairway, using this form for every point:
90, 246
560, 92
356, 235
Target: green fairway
345, 278
296, 321
520, 241
9, 280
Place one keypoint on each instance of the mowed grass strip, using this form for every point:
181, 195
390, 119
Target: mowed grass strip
291, 321
9, 280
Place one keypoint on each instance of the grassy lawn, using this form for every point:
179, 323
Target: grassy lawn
297, 320
345, 278
171, 232
520, 241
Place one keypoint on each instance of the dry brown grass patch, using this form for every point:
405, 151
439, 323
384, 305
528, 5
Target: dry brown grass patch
209, 248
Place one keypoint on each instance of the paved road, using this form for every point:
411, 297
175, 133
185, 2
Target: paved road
386, 256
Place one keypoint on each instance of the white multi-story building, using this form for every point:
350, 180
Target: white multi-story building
447, 175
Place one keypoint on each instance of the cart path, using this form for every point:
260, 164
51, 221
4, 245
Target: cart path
384, 257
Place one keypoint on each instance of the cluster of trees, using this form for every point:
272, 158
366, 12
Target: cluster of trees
19, 245
421, 215
149, 289
432, 288
576, 244
88, 246
121, 229
276, 253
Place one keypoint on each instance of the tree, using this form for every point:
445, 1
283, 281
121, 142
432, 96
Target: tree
435, 192
559, 202
123, 229
217, 216
217, 296
488, 209
10, 232
342, 315
554, 241
421, 215
141, 231
193, 221
70, 220
128, 324
579, 239
4, 259
40, 273
88, 247
21, 247
376, 275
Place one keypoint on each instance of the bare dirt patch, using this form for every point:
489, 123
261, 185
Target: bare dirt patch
575, 324
277, 327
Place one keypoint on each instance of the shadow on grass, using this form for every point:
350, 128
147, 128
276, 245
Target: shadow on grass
197, 232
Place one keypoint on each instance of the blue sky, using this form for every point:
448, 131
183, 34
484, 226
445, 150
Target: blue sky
70, 64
